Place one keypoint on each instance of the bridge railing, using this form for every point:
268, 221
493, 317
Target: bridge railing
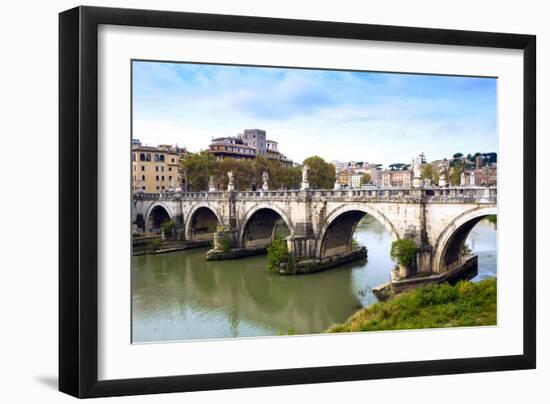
429, 194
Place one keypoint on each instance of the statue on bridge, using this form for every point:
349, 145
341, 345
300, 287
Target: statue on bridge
305, 182
230, 184
265, 178
211, 184
417, 171
442, 176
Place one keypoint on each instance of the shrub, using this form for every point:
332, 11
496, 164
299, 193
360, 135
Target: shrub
277, 253
168, 227
225, 243
403, 252
154, 244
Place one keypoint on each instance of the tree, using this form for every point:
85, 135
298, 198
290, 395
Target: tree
458, 169
427, 172
492, 157
243, 174
457, 155
197, 170
397, 166
291, 178
321, 175
365, 179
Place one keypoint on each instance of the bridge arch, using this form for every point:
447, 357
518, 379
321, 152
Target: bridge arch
449, 245
348, 216
156, 214
201, 222
266, 216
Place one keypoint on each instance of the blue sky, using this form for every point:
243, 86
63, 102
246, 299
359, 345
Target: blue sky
361, 116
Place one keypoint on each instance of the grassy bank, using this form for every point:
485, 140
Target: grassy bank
464, 304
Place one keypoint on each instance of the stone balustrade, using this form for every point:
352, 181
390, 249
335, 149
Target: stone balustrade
415, 195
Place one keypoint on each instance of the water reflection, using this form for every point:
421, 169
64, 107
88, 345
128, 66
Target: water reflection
180, 296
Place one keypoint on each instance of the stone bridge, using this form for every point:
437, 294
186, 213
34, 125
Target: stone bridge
319, 224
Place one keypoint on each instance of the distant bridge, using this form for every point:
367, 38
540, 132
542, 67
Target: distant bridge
321, 223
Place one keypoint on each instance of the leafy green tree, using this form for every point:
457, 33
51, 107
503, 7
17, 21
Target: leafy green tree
456, 172
321, 175
243, 174
197, 169
291, 177
427, 172
274, 169
365, 179
457, 155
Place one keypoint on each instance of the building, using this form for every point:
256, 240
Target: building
248, 145
350, 172
156, 169
355, 180
486, 176
255, 138
394, 178
231, 147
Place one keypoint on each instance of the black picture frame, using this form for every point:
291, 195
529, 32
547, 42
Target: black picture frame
78, 200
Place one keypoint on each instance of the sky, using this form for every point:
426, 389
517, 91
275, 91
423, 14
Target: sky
338, 115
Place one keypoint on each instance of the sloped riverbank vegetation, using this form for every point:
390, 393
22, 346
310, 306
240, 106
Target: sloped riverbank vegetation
432, 306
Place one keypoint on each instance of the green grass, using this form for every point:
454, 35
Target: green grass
432, 306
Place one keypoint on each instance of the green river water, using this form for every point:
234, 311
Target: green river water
180, 296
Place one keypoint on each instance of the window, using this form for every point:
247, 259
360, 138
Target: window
173, 160
156, 157
161, 158
157, 187
143, 177
163, 177
156, 168
157, 177
162, 187
162, 168
169, 168
143, 187
142, 157
142, 168
148, 157
170, 178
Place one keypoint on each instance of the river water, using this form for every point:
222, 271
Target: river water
181, 296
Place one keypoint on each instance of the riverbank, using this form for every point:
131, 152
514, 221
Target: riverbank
433, 306
144, 245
